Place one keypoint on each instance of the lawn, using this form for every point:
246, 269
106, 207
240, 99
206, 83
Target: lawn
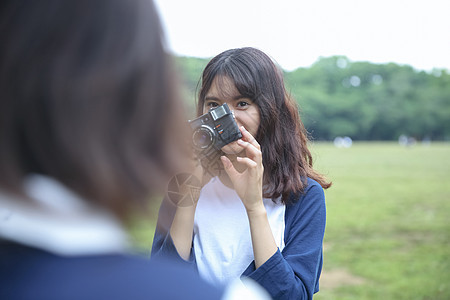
388, 221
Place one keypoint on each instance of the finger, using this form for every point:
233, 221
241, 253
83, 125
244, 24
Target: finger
229, 168
251, 151
251, 164
247, 136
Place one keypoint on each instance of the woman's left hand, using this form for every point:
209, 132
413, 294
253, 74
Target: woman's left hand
247, 184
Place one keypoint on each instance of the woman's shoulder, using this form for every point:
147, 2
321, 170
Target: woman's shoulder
83, 277
306, 208
312, 197
313, 184
312, 190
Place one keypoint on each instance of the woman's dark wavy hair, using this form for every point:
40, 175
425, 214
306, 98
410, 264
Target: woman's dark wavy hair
281, 134
88, 96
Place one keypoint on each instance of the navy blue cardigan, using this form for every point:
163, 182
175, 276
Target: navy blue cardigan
290, 274
29, 273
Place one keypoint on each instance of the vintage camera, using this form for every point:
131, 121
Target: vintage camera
214, 130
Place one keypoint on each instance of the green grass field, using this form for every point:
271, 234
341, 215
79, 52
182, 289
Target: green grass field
388, 221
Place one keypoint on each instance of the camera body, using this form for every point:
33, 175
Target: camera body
214, 130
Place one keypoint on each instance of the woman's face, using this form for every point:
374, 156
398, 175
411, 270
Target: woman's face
245, 111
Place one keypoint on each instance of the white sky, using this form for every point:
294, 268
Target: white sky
295, 33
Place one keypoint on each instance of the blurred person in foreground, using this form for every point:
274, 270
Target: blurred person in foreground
90, 128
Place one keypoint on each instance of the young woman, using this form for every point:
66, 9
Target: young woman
262, 215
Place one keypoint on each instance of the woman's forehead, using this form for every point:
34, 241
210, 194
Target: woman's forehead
223, 87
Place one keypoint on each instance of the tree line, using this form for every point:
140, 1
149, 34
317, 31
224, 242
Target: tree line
362, 100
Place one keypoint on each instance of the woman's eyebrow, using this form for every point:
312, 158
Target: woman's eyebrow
234, 98
212, 98
239, 97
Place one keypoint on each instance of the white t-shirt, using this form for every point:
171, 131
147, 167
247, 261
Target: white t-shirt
222, 240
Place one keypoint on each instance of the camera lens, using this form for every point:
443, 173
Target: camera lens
202, 138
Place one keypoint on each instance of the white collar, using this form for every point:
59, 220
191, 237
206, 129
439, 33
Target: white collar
61, 222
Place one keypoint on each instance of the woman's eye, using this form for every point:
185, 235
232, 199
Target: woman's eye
211, 105
242, 104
